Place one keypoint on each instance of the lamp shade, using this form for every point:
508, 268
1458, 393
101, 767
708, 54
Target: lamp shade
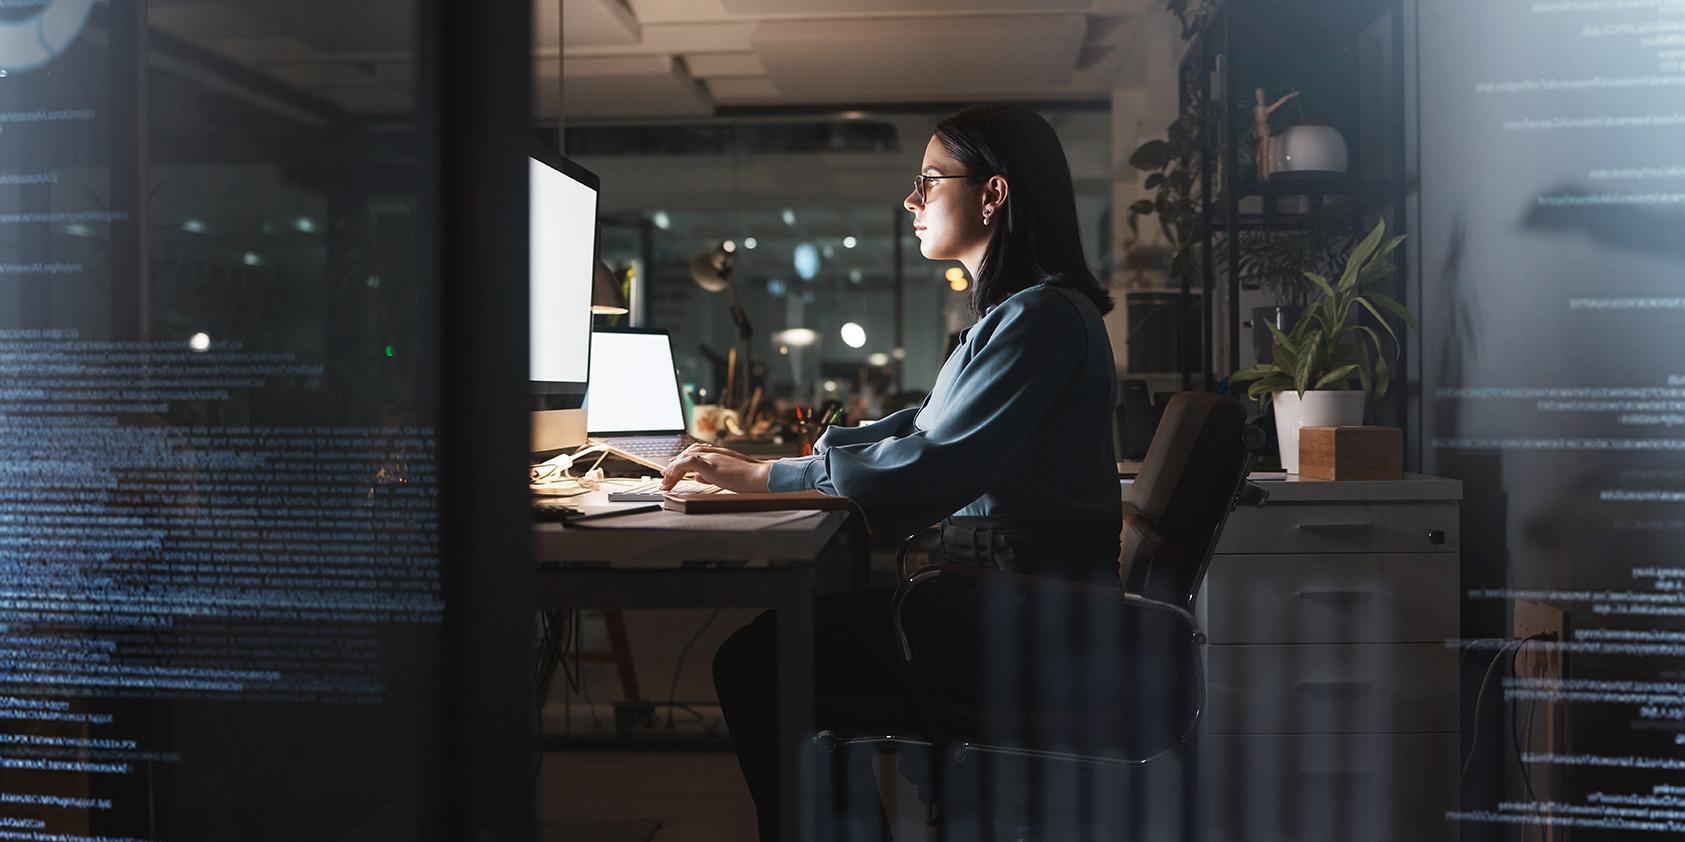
712, 269
606, 295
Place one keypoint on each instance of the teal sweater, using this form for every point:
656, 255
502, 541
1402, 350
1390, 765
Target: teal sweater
1018, 425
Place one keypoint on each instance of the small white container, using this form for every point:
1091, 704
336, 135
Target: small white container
1308, 150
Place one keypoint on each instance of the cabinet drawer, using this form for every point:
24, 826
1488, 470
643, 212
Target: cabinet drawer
1329, 788
1376, 598
1320, 688
1340, 528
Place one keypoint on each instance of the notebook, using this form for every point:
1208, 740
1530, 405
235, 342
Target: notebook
632, 403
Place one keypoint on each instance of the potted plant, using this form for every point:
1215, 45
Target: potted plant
1311, 376
1275, 262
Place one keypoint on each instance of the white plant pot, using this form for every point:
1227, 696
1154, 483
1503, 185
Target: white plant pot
1318, 408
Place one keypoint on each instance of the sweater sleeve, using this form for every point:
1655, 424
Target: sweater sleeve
803, 472
1032, 347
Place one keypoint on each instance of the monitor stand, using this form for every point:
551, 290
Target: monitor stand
558, 429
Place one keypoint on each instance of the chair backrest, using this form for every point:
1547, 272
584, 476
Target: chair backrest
1182, 495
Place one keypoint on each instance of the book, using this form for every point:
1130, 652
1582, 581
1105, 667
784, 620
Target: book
698, 504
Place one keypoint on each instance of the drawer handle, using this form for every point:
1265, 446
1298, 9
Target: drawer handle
1335, 685
1333, 594
1333, 528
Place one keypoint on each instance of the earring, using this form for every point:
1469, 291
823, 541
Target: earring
985, 217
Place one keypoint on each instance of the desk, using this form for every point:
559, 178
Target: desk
762, 559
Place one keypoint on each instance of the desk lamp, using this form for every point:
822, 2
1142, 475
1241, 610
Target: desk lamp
712, 271
607, 298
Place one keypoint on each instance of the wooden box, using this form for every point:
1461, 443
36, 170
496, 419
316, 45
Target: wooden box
1351, 453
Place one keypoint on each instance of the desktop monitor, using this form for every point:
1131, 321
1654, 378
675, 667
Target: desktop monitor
563, 218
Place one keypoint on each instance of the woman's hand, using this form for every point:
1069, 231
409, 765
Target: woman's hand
719, 466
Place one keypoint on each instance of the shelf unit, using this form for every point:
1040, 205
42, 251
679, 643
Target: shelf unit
1361, 43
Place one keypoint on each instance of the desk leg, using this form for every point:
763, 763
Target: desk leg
795, 702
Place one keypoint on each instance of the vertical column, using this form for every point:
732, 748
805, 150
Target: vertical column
130, 262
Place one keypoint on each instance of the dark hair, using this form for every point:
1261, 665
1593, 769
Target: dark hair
1038, 239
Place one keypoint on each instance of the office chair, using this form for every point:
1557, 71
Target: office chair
1084, 675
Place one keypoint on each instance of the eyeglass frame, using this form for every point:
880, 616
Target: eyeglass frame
922, 191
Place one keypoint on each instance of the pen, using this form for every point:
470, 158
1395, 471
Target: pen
635, 510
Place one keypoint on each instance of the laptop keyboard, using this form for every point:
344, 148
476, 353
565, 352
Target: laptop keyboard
650, 491
658, 449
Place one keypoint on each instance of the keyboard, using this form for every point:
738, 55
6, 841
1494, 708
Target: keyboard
654, 451
650, 491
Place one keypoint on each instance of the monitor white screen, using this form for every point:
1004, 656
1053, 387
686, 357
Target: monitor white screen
634, 388
563, 215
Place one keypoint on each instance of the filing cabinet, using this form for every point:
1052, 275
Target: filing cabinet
1331, 709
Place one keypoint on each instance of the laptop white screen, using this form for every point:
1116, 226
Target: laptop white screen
633, 387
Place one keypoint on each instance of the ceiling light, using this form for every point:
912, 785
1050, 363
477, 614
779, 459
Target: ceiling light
850, 242
252, 258
200, 342
750, 242
789, 217
879, 358
193, 226
956, 279
305, 224
853, 335
797, 337
661, 220
806, 258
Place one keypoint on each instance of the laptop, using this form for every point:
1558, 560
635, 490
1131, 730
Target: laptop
633, 407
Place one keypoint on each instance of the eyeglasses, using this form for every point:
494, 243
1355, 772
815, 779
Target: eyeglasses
921, 184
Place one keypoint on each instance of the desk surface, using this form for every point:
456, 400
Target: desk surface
663, 537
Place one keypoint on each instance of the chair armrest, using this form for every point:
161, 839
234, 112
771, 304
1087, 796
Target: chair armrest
902, 591
901, 571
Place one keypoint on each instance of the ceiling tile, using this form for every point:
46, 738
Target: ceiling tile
586, 22
724, 64
678, 11
625, 86
891, 59
736, 91
833, 7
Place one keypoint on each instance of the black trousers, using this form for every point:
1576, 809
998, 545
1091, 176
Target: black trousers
861, 687
861, 684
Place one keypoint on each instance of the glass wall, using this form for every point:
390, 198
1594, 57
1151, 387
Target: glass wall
220, 403
840, 305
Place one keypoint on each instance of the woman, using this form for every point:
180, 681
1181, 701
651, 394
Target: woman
1012, 451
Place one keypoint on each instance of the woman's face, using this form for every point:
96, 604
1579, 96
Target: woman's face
949, 220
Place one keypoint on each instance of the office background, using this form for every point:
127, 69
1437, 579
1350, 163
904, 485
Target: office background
337, 183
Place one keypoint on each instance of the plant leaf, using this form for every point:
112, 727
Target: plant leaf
1286, 359
1309, 361
1152, 155
1282, 338
1378, 316
1361, 254
1365, 371
1396, 308
1321, 283
1153, 181
1337, 376
1142, 207
1382, 377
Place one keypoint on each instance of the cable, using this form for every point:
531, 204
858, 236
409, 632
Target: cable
673, 689
1527, 727
1474, 732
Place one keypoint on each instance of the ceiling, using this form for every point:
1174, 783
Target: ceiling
685, 59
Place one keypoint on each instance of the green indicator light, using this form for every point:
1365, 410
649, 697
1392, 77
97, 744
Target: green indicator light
389, 350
